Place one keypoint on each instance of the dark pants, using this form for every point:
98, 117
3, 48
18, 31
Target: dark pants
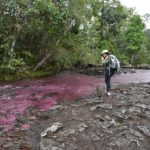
108, 72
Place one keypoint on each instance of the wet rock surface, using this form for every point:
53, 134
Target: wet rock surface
121, 121
112, 123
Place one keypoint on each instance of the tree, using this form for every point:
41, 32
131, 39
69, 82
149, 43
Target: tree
147, 34
55, 35
135, 37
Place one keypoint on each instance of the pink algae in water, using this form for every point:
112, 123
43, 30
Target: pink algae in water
43, 93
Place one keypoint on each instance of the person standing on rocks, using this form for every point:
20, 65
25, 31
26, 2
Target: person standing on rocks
111, 65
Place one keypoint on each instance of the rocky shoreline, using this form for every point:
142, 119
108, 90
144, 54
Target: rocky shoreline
119, 122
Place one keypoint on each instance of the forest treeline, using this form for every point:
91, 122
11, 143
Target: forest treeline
55, 35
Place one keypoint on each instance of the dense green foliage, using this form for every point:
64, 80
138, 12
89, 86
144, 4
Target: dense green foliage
54, 35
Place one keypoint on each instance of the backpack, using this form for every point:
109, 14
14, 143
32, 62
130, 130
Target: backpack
114, 63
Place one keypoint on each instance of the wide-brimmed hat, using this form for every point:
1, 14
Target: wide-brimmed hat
105, 52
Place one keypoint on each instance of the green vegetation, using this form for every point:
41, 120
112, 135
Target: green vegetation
55, 35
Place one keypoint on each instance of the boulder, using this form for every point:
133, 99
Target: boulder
52, 129
145, 130
143, 66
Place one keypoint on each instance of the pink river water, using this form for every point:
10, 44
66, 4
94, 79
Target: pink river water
16, 97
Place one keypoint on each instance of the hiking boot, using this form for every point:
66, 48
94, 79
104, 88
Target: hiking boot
109, 93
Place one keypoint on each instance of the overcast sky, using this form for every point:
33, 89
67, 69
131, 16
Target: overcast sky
142, 6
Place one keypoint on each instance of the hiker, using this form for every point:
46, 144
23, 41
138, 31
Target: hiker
111, 65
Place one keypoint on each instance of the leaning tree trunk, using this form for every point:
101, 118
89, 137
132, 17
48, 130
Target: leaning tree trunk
42, 47
42, 61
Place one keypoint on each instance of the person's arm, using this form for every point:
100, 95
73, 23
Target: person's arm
106, 60
102, 60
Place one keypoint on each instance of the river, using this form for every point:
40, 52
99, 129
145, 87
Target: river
16, 97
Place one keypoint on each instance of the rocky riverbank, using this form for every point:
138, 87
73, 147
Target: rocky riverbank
119, 122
